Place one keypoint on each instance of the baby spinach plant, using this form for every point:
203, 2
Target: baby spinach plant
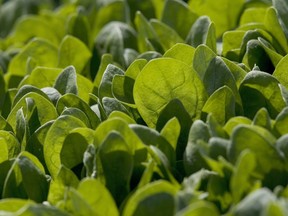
160, 107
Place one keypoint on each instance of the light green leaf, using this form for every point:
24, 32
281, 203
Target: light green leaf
176, 109
111, 104
69, 54
281, 121
45, 109
122, 89
230, 12
78, 26
163, 80
159, 196
147, 37
36, 142
72, 100
260, 89
262, 119
202, 58
114, 38
105, 87
232, 41
254, 203
202, 32
42, 28
55, 139
199, 135
114, 149
260, 142
111, 11
242, 181
34, 49
98, 197
168, 36
182, 52
66, 82
184, 19
106, 59
199, 208
280, 71
74, 146
275, 29
282, 9
26, 179
221, 104
235, 121
64, 179
171, 131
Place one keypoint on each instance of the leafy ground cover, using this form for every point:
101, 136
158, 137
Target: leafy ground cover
113, 107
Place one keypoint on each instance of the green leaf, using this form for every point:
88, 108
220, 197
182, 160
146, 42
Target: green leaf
202, 32
199, 208
262, 119
66, 82
159, 196
221, 104
111, 11
282, 9
41, 77
29, 102
280, 123
122, 89
77, 113
232, 41
58, 187
275, 29
168, 36
74, 146
256, 55
78, 27
280, 71
42, 28
34, 49
132, 140
111, 104
230, 12
163, 80
36, 142
72, 100
12, 205
260, 142
202, 58
237, 72
171, 131
152, 137
184, 19
11, 11
26, 179
105, 87
242, 181
254, 203
176, 109
98, 197
147, 38
260, 89
69, 50
235, 121
111, 151
55, 140
114, 38
106, 59
182, 52
199, 135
